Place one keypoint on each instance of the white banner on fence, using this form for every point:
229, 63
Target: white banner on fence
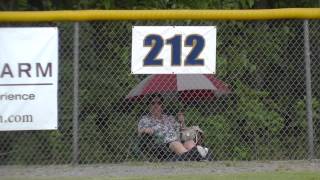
173, 50
28, 78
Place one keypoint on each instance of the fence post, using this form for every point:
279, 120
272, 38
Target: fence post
75, 122
308, 89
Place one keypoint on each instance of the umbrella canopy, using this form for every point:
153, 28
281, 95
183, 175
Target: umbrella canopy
188, 86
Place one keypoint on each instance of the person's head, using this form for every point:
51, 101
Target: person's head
156, 102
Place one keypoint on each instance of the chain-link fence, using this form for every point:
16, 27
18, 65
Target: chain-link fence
262, 117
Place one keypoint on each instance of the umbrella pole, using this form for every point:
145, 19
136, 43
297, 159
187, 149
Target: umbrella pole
181, 114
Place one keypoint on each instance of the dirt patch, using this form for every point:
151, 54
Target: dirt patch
169, 168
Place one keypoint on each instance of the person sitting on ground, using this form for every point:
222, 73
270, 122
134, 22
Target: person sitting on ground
167, 130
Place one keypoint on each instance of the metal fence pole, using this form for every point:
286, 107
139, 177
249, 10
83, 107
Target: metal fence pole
75, 145
308, 89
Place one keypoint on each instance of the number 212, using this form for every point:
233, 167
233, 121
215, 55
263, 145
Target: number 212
156, 42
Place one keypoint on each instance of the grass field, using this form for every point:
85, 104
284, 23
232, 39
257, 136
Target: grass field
242, 176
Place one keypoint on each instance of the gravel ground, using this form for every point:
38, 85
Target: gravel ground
169, 168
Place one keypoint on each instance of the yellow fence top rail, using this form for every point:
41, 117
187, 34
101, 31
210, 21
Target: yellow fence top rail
93, 15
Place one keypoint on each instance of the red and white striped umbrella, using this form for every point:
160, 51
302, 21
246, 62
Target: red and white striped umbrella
189, 86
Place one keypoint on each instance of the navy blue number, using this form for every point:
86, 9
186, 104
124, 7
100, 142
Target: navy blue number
197, 43
175, 43
156, 43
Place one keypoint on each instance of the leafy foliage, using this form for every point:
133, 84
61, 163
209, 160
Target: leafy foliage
262, 120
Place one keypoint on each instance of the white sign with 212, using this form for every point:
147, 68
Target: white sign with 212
173, 50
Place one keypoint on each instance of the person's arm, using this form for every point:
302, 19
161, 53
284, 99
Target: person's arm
146, 131
144, 126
